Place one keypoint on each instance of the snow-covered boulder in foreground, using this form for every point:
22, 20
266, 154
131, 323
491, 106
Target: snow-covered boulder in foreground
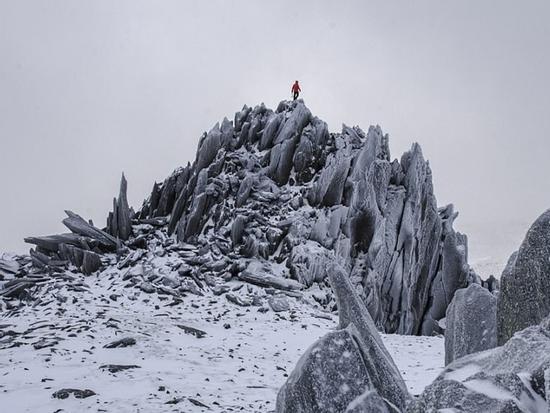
524, 298
337, 370
471, 322
511, 378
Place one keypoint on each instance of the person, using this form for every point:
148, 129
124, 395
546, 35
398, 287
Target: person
296, 90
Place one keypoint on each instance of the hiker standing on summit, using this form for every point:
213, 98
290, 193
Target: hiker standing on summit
296, 90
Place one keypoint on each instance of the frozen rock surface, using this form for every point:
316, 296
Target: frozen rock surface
524, 298
510, 378
276, 188
471, 322
184, 350
334, 373
272, 199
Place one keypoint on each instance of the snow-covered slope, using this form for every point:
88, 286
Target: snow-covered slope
239, 364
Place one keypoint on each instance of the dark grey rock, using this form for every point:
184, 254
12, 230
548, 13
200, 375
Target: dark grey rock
123, 342
237, 230
327, 378
79, 226
167, 196
239, 300
147, 287
91, 262
278, 303
470, 322
370, 402
261, 275
340, 367
52, 242
10, 266
383, 373
295, 186
308, 263
208, 147
510, 378
524, 297
193, 331
77, 393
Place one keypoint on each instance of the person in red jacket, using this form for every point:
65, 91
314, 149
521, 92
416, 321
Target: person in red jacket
296, 90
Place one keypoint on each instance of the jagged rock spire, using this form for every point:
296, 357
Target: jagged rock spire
275, 181
275, 188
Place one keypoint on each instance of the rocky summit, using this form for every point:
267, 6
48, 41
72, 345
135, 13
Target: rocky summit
205, 297
272, 198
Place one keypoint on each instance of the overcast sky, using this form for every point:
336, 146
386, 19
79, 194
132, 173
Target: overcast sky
89, 89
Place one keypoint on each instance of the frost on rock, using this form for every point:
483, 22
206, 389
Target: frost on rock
510, 378
524, 297
335, 372
274, 189
470, 322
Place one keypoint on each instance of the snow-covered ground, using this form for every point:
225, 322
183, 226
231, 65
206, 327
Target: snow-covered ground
239, 365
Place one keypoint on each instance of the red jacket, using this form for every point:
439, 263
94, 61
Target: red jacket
296, 87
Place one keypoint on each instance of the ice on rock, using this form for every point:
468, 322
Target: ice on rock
470, 322
510, 378
341, 366
268, 190
524, 297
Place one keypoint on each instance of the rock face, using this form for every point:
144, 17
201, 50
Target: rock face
471, 323
510, 378
275, 189
336, 371
277, 186
524, 298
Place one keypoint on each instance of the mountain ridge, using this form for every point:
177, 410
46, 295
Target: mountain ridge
272, 197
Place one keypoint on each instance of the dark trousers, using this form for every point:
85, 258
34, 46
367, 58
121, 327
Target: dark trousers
296, 94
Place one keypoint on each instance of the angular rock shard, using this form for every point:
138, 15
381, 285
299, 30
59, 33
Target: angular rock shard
119, 223
336, 371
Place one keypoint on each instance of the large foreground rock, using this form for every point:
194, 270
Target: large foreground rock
524, 298
335, 372
471, 322
505, 379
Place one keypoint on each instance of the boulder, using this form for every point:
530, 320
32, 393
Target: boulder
328, 377
341, 366
510, 378
524, 297
279, 303
308, 263
470, 322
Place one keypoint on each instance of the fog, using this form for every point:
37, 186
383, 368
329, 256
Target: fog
89, 89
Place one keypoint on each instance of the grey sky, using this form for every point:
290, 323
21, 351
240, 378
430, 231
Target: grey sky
92, 88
